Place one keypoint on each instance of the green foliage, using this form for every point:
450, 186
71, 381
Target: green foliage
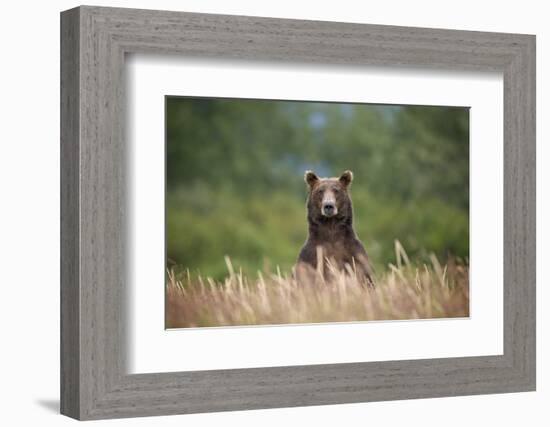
235, 178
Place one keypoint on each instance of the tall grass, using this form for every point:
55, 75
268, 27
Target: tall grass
403, 291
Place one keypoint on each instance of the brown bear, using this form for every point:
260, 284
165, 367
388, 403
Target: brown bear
331, 233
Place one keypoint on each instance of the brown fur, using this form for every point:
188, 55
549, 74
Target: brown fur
331, 237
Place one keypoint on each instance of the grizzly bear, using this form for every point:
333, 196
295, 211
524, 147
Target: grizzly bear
331, 234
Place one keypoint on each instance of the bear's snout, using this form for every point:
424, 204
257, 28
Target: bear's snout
328, 205
329, 209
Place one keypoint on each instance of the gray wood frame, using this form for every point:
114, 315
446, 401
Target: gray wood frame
94, 41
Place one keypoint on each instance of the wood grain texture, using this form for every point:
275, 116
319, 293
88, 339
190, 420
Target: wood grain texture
95, 275
70, 221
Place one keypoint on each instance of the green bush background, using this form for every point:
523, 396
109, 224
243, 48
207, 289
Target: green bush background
235, 179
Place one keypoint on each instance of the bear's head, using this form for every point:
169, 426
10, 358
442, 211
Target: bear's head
329, 198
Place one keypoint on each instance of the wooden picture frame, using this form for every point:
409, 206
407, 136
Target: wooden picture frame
94, 382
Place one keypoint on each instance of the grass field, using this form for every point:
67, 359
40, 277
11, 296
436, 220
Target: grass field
402, 291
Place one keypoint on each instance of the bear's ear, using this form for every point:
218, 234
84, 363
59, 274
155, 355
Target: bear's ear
310, 178
346, 178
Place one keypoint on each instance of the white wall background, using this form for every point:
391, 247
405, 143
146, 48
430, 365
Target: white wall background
29, 215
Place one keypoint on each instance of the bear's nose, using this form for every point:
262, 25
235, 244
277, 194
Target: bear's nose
328, 209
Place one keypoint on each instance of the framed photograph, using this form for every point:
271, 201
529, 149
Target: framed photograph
261, 213
245, 196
